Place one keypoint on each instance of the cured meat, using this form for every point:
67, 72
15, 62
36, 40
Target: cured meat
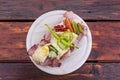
32, 49
67, 54
69, 14
79, 38
85, 30
56, 63
53, 62
47, 36
43, 42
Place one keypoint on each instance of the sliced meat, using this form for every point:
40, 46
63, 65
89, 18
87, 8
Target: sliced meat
67, 54
47, 36
85, 31
53, 62
32, 49
76, 41
56, 63
80, 36
69, 14
72, 49
46, 39
43, 42
47, 62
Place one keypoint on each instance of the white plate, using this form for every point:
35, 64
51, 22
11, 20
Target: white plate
78, 57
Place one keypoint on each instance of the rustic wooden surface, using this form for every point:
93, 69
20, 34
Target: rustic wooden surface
89, 71
88, 9
13, 40
102, 17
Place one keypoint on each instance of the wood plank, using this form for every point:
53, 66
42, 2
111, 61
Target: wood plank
87, 9
106, 41
89, 71
13, 40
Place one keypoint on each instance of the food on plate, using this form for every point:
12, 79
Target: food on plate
58, 42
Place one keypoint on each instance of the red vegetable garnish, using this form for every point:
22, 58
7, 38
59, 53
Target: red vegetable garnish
68, 24
60, 28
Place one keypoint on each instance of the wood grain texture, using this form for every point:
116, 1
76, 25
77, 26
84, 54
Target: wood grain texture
89, 71
12, 40
106, 41
88, 9
105, 46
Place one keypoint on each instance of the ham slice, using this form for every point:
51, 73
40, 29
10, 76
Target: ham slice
47, 36
43, 42
67, 54
85, 30
56, 63
69, 14
53, 62
80, 36
46, 39
32, 49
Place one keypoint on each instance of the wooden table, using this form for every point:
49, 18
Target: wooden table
102, 16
